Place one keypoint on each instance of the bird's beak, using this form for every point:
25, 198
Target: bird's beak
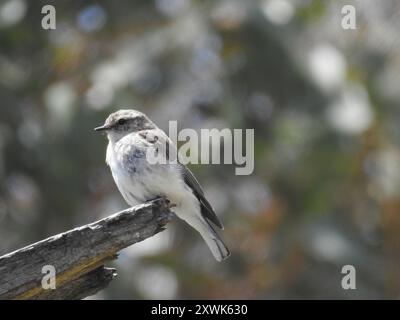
102, 128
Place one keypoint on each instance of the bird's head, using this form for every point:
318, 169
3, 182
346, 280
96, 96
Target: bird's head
123, 122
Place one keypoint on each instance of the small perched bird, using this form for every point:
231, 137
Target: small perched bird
131, 135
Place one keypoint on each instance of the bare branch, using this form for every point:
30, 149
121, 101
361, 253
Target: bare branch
79, 255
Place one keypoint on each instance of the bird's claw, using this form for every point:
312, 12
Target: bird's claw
167, 201
172, 205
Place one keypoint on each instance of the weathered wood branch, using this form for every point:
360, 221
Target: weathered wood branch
79, 255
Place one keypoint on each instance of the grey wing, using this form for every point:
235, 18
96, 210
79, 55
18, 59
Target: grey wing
160, 141
206, 209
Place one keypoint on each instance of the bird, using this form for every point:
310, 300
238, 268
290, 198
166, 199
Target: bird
131, 136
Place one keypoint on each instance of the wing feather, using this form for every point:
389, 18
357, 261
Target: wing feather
206, 210
160, 139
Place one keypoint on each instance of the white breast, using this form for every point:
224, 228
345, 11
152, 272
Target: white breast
139, 181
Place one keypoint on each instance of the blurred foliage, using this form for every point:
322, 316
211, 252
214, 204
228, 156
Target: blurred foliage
323, 102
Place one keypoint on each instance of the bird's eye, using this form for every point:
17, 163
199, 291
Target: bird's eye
121, 121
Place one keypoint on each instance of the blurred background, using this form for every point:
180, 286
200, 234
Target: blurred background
324, 103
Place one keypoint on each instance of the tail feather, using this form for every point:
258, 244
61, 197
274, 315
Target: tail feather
218, 248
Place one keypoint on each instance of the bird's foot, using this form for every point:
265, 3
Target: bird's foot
167, 201
171, 205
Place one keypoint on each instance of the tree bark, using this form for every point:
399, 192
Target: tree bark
79, 255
